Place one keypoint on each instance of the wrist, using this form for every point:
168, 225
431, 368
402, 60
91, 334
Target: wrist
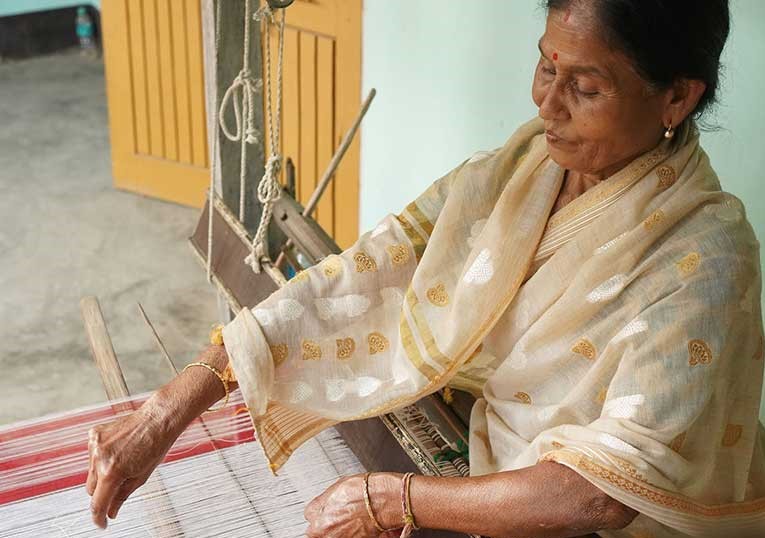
159, 415
385, 497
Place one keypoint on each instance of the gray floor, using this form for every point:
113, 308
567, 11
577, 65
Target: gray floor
67, 233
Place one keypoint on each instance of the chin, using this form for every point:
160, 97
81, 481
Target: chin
564, 159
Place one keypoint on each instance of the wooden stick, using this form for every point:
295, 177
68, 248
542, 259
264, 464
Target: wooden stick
329, 173
102, 349
158, 341
338, 156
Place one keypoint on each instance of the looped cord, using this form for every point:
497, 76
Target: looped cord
269, 188
243, 87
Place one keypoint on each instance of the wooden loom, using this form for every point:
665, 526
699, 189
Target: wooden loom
44, 463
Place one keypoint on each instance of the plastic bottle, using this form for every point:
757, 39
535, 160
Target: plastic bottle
85, 31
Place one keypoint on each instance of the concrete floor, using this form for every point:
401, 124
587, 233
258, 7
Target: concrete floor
67, 233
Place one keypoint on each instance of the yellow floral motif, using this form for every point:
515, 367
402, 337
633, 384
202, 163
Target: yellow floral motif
732, 434
689, 264
601, 397
399, 254
311, 350
585, 348
653, 219
345, 347
667, 176
279, 353
557, 445
364, 263
438, 296
523, 397
332, 266
699, 353
377, 343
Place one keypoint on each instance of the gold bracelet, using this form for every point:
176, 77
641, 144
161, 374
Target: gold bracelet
406, 502
218, 374
368, 504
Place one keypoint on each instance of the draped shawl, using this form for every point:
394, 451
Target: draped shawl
621, 336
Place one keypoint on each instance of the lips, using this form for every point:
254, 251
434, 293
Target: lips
555, 138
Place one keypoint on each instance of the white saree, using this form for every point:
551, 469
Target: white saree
621, 337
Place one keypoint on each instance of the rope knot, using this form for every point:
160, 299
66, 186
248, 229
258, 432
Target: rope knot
265, 13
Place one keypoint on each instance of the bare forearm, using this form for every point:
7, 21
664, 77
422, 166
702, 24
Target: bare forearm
546, 500
193, 391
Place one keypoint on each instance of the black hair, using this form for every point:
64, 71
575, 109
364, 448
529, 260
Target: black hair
666, 39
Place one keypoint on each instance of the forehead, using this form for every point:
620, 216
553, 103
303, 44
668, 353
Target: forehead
576, 36
574, 32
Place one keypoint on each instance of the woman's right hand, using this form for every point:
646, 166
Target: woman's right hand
123, 454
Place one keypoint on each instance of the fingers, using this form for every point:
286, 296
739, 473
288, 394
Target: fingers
125, 490
107, 486
90, 483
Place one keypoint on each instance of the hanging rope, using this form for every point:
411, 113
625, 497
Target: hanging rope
269, 189
244, 88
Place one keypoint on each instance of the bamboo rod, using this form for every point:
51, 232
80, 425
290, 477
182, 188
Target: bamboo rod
329, 173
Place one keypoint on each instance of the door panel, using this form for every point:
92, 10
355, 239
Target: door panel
155, 86
321, 97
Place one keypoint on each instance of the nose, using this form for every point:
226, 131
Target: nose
552, 106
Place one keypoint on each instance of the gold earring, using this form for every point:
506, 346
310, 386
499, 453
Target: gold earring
670, 132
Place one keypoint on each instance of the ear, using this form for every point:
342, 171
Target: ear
682, 99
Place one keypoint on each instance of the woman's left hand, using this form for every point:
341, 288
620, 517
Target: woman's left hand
340, 512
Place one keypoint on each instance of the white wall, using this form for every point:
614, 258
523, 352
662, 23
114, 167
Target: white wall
454, 77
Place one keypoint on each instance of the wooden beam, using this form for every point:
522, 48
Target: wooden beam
101, 347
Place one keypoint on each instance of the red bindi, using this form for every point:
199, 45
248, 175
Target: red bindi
555, 55
567, 15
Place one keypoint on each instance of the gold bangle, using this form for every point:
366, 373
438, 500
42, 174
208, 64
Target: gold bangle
407, 502
218, 374
368, 504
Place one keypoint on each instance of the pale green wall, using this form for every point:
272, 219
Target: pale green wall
16, 7
454, 77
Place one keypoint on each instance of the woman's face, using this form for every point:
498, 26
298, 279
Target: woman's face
598, 112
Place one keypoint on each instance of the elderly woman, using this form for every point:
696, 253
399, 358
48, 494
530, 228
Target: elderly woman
589, 282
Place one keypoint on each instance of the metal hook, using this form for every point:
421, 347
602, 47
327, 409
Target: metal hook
280, 4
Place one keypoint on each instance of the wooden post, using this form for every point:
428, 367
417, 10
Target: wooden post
221, 68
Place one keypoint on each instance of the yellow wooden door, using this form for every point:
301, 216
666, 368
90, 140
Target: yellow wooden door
155, 84
322, 95
155, 87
